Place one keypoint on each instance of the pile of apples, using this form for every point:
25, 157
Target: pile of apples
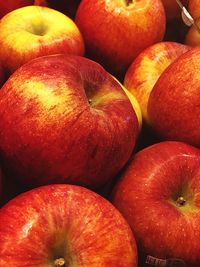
99, 133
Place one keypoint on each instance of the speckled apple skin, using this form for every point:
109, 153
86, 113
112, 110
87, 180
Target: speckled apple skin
115, 33
51, 133
173, 105
146, 195
64, 221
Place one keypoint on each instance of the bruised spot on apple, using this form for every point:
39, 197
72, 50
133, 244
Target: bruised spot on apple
159, 195
65, 119
34, 31
62, 226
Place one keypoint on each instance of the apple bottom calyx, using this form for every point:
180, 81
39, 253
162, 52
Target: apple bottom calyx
153, 261
60, 262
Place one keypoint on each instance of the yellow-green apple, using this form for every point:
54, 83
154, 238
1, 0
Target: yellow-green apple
115, 32
34, 31
64, 225
10, 5
65, 119
159, 196
145, 70
172, 8
173, 106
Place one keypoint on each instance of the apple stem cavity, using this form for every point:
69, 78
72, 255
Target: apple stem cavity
128, 2
60, 262
181, 201
90, 100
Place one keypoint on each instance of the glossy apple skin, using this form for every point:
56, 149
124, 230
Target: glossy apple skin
145, 70
30, 32
173, 105
65, 221
147, 193
115, 33
172, 8
50, 132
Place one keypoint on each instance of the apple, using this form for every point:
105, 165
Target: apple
10, 5
173, 105
194, 8
172, 8
65, 119
64, 225
31, 31
159, 196
145, 70
115, 32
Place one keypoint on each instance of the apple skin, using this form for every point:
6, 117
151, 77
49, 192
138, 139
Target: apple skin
172, 8
64, 119
116, 32
173, 105
31, 32
147, 195
145, 70
10, 5
194, 8
64, 221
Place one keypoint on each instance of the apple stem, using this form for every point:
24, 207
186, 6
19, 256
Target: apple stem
181, 201
59, 262
90, 100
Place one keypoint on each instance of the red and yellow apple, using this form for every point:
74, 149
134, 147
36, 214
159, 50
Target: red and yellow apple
115, 32
173, 106
159, 195
64, 225
65, 119
145, 70
34, 31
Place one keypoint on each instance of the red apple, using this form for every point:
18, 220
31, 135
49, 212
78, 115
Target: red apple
173, 105
115, 32
159, 195
194, 8
65, 119
172, 8
10, 5
63, 225
31, 31
145, 70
